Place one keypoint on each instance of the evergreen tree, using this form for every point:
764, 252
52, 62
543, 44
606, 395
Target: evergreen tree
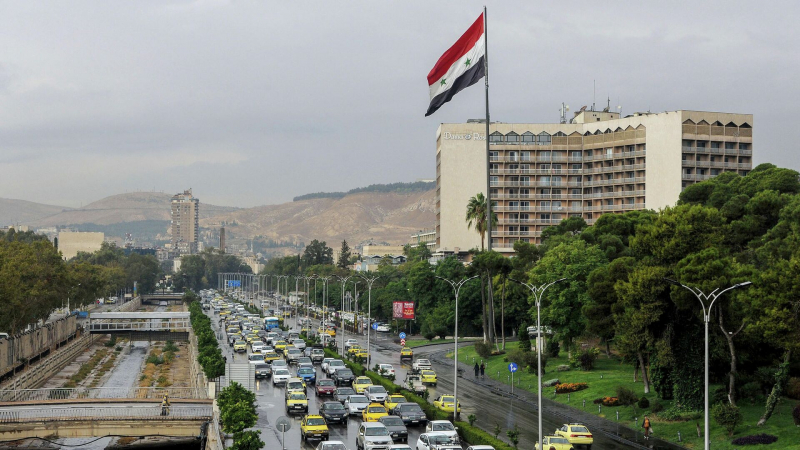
344, 256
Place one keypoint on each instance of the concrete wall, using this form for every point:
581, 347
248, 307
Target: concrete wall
72, 242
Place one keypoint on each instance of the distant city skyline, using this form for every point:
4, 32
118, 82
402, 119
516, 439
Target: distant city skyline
253, 104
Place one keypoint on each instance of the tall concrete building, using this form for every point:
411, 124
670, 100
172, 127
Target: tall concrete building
599, 163
72, 242
185, 222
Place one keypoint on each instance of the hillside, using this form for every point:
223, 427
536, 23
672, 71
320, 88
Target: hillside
384, 217
24, 212
130, 207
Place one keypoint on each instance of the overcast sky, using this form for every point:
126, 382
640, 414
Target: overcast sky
254, 102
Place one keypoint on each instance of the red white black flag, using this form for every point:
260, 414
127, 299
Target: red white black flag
462, 65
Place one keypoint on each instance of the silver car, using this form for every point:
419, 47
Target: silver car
355, 404
373, 436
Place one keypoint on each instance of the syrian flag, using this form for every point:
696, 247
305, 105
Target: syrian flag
462, 65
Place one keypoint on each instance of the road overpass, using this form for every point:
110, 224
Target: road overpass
169, 297
142, 326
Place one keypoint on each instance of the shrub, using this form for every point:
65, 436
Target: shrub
626, 396
565, 388
483, 350
610, 401
552, 348
111, 342
755, 439
719, 395
644, 403
429, 335
563, 367
727, 416
524, 338
750, 391
153, 359
551, 383
476, 436
677, 415
585, 359
796, 415
472, 418
793, 388
657, 407
171, 347
597, 401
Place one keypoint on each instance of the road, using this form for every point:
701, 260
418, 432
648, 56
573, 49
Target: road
475, 398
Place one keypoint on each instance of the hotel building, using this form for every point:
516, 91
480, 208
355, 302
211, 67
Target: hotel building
598, 163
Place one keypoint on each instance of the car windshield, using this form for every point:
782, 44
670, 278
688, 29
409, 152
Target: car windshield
428, 372
391, 420
579, 430
344, 373
317, 421
280, 372
439, 439
262, 366
377, 409
256, 357
333, 405
444, 426
305, 370
255, 343
363, 381
333, 447
447, 398
396, 398
294, 351
376, 431
410, 408
345, 391
325, 383
336, 362
358, 399
297, 396
240, 342
279, 362
377, 390
558, 440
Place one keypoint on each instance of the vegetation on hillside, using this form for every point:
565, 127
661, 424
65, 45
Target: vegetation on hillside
399, 188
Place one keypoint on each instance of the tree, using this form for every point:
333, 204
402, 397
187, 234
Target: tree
344, 256
476, 215
317, 253
599, 310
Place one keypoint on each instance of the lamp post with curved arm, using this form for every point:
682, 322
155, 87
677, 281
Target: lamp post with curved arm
324, 298
456, 290
344, 282
538, 292
702, 298
370, 281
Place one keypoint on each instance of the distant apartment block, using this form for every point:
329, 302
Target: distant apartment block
72, 242
599, 163
185, 221
427, 237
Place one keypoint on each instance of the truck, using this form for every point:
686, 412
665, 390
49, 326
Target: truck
414, 383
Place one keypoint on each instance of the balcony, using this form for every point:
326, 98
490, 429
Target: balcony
613, 181
719, 164
695, 176
535, 183
535, 171
604, 156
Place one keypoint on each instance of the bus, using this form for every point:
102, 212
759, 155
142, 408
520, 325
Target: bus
271, 322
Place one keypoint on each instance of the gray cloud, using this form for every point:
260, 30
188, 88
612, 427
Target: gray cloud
255, 102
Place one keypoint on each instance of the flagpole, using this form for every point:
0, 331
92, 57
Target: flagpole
488, 162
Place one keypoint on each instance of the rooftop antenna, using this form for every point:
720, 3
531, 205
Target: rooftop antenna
564, 109
594, 92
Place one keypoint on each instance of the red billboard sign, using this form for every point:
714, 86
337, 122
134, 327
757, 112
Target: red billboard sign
403, 310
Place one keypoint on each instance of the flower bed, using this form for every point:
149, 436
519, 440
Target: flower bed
565, 388
755, 439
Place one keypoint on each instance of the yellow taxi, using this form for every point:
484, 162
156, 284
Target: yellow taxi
224, 312
361, 383
555, 442
295, 384
331, 332
576, 434
445, 403
373, 412
286, 349
240, 346
314, 427
406, 353
361, 353
353, 349
287, 314
393, 400
251, 337
232, 330
280, 346
296, 402
428, 377
271, 356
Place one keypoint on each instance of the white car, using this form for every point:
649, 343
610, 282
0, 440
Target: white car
373, 435
376, 394
443, 427
436, 441
280, 376
257, 346
384, 328
386, 369
349, 343
331, 445
325, 363
299, 344
421, 364
255, 358
480, 447
355, 404
335, 365
401, 447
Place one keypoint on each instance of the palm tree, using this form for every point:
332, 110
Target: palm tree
476, 213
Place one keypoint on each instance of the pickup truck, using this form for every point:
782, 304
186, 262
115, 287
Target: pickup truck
421, 364
413, 382
317, 355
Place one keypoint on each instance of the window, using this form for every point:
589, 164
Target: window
743, 146
512, 138
496, 137
494, 156
544, 138
528, 137
701, 144
494, 181
497, 167
730, 145
526, 156
544, 204
513, 156
609, 151
715, 145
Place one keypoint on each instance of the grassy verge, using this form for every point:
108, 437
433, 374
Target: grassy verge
608, 374
411, 343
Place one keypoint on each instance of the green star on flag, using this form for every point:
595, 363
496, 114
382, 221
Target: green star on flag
467, 62
443, 82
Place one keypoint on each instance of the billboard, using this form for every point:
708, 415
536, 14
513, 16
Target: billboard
234, 283
403, 310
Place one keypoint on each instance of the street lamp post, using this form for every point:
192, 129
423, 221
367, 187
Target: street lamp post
324, 298
369, 313
344, 282
456, 290
702, 298
538, 292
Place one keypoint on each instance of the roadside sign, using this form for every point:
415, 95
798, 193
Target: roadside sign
402, 335
375, 326
403, 342
283, 424
512, 367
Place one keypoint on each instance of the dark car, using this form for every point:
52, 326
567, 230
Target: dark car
342, 393
343, 377
396, 426
325, 387
333, 412
410, 413
263, 370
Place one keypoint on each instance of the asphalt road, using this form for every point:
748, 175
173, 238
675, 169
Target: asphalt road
474, 398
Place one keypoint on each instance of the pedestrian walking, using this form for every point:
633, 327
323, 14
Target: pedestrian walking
647, 428
477, 370
165, 405
483, 368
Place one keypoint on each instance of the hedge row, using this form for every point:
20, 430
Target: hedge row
208, 353
469, 433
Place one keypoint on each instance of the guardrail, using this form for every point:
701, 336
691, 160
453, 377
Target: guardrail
23, 395
101, 413
149, 325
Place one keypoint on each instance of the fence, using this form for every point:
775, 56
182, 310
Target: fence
98, 413
22, 395
199, 380
215, 440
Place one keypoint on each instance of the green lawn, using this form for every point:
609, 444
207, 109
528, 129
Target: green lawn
417, 342
608, 374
